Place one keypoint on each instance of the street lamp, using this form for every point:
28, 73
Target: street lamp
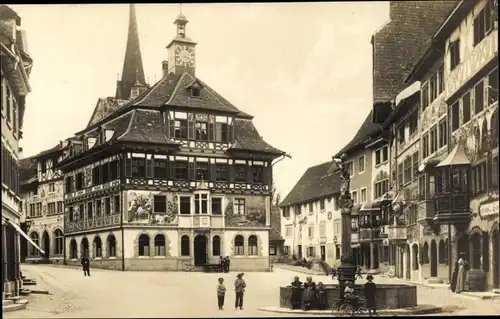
347, 269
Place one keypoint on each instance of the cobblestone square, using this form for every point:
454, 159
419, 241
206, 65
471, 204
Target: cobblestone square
176, 294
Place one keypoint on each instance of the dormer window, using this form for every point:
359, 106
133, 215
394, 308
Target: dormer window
91, 141
108, 134
196, 92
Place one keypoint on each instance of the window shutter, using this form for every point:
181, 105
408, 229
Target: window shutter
211, 128
267, 175
128, 168
249, 173
213, 172
191, 133
230, 133
191, 171
230, 169
171, 127
171, 169
149, 168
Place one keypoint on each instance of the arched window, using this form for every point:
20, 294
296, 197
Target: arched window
441, 252
425, 254
446, 247
239, 245
144, 245
58, 242
415, 256
216, 246
85, 247
111, 246
73, 249
36, 239
97, 247
185, 245
252, 245
159, 245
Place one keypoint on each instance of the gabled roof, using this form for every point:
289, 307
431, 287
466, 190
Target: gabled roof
27, 169
248, 138
317, 182
104, 107
367, 129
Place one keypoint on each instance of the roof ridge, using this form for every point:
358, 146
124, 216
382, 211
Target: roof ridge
216, 97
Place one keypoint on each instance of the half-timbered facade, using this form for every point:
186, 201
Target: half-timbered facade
15, 69
470, 173
42, 194
176, 177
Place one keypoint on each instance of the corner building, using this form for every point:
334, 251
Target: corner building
172, 179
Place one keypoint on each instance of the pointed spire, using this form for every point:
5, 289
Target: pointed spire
132, 66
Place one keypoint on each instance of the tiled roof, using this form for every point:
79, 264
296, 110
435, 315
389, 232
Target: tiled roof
159, 93
398, 45
27, 169
248, 138
275, 222
51, 150
367, 129
314, 184
120, 125
146, 126
104, 107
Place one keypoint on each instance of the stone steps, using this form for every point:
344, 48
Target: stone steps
13, 304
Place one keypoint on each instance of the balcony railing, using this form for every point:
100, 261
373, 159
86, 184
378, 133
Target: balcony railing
425, 211
397, 232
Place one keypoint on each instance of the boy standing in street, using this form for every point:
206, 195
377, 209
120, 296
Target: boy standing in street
221, 293
370, 292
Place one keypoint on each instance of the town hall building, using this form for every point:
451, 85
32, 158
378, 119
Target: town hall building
171, 177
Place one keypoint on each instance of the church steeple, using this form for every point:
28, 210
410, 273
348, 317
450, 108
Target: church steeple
132, 65
181, 53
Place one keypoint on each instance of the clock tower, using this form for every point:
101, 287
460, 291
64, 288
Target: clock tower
181, 53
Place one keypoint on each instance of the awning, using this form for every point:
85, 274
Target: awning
456, 157
20, 231
373, 206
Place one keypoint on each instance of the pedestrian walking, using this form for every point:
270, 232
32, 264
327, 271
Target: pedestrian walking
86, 266
370, 294
239, 288
221, 293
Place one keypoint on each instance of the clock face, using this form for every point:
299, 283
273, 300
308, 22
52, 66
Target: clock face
184, 56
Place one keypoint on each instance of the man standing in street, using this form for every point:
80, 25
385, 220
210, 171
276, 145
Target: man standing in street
239, 288
86, 266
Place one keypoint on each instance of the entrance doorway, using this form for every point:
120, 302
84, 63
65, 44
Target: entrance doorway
299, 248
433, 258
496, 259
46, 244
323, 253
200, 250
85, 247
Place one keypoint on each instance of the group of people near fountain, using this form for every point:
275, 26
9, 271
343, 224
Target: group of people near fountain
314, 296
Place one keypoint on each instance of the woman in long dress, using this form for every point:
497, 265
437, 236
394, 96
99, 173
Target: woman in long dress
309, 293
461, 274
296, 292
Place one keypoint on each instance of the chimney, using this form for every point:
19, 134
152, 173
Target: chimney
164, 67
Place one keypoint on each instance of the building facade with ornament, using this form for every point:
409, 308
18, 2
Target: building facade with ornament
16, 67
310, 222
42, 195
174, 178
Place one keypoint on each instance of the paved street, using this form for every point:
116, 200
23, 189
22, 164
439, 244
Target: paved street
173, 294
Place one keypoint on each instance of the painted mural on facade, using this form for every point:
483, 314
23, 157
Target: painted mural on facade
140, 208
253, 216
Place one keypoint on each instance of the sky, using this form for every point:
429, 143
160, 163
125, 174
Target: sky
303, 70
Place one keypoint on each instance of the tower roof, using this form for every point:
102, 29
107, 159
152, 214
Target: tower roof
132, 65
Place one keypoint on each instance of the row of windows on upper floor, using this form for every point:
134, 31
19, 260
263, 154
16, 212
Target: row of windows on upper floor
483, 24
311, 229
160, 168
9, 106
358, 166
299, 209
51, 208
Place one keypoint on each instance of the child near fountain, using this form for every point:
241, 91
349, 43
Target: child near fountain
370, 292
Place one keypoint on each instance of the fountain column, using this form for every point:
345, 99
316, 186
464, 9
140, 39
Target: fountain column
347, 269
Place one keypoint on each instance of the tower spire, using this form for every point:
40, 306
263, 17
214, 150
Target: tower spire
132, 65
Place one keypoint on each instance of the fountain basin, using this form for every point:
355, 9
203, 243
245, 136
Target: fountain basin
387, 296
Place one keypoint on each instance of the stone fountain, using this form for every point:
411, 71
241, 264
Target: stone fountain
393, 298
